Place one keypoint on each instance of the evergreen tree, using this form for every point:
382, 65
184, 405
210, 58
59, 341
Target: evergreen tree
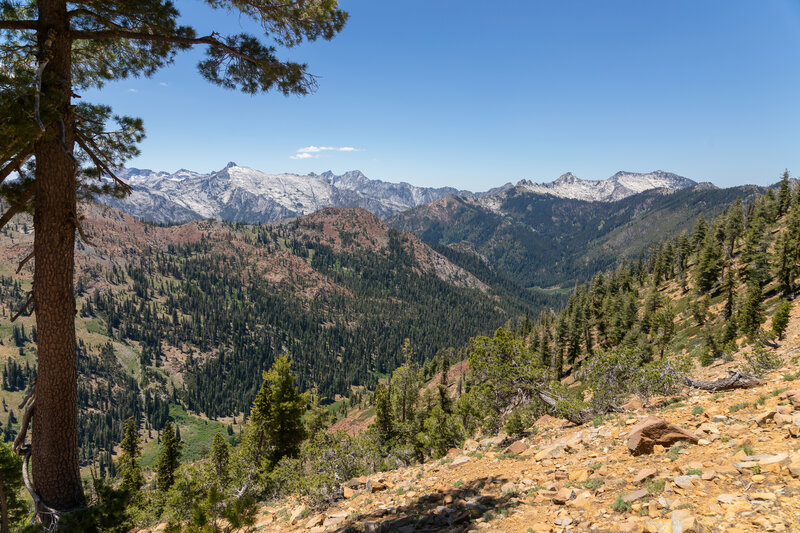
169, 459
52, 51
318, 416
784, 265
781, 318
734, 226
708, 265
132, 479
384, 418
445, 402
784, 194
663, 329
13, 506
220, 461
276, 420
751, 314
700, 231
406, 381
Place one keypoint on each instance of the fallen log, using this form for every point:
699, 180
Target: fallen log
736, 380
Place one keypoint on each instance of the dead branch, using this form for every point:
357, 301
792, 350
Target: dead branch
577, 418
24, 308
736, 380
22, 263
19, 441
77, 223
28, 395
37, 96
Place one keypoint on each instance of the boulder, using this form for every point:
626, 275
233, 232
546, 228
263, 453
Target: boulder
460, 460
471, 445
654, 431
516, 448
644, 474
792, 395
683, 521
563, 496
635, 495
764, 417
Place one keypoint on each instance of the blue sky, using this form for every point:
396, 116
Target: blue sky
475, 94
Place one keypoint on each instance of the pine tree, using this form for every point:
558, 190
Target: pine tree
384, 418
52, 51
318, 416
406, 381
700, 231
132, 479
220, 460
708, 265
276, 420
734, 226
13, 506
445, 402
751, 313
169, 459
784, 266
784, 194
781, 318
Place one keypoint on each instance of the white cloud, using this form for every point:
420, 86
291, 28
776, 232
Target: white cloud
303, 155
317, 149
164, 84
132, 91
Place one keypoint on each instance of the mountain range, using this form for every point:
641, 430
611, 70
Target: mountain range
242, 194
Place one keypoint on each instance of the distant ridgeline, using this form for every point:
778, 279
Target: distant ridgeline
543, 240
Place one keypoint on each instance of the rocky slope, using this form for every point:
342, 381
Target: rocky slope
741, 474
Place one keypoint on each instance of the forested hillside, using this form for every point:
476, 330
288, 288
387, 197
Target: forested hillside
191, 315
542, 241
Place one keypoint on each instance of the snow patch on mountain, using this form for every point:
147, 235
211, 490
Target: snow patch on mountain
619, 186
242, 194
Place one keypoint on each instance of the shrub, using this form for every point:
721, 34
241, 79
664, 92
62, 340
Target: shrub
620, 505
324, 463
655, 486
515, 423
761, 361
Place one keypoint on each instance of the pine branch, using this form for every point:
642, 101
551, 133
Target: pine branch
91, 149
18, 25
14, 164
19, 206
210, 40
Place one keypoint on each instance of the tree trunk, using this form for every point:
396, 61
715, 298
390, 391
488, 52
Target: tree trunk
736, 380
3, 510
56, 475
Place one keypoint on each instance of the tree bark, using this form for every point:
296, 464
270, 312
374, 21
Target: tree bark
56, 474
3, 509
